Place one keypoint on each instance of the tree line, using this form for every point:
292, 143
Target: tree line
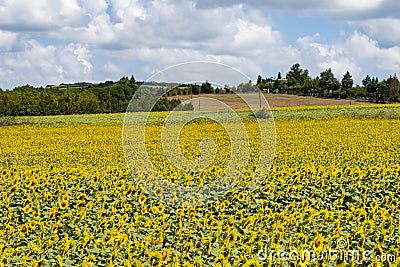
114, 97
80, 98
299, 82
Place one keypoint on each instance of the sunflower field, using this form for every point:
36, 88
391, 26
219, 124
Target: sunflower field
69, 199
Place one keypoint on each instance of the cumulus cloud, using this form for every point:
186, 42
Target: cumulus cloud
40, 15
158, 34
8, 40
39, 65
382, 29
319, 56
101, 38
333, 7
109, 67
359, 54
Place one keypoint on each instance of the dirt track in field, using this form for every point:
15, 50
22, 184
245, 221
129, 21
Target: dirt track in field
274, 100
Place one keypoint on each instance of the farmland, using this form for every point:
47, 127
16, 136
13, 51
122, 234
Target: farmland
274, 100
68, 198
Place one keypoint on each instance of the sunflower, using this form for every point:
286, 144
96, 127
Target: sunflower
82, 197
240, 197
376, 264
89, 205
223, 206
44, 224
54, 238
65, 197
155, 258
180, 212
128, 207
159, 192
318, 243
387, 222
142, 199
154, 209
32, 224
231, 237
303, 261
14, 189
252, 263
63, 204
36, 214
341, 259
198, 262
166, 255
367, 226
160, 208
48, 196
23, 229
28, 208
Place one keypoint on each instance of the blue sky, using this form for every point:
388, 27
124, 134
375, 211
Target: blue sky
50, 42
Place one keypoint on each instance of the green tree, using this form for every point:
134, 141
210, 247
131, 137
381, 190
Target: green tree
259, 81
311, 87
347, 81
195, 89
206, 88
366, 81
394, 86
328, 83
371, 87
297, 76
246, 87
382, 91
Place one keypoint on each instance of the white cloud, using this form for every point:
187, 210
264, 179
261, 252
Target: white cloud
333, 7
382, 29
109, 67
40, 15
93, 7
355, 6
82, 56
359, 54
318, 57
39, 65
8, 40
101, 38
32, 65
366, 49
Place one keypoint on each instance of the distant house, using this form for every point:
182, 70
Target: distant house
273, 79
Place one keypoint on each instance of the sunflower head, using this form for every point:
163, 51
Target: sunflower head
82, 197
33, 223
14, 189
155, 258
54, 238
65, 197
252, 263
23, 229
198, 262
160, 208
28, 208
166, 255
63, 204
318, 242
142, 199
159, 192
341, 261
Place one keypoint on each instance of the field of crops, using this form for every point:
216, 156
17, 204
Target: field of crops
68, 199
